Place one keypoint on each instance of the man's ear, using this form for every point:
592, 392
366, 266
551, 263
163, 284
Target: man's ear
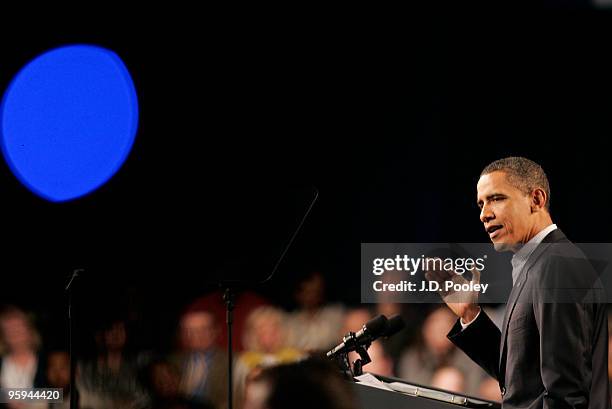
538, 200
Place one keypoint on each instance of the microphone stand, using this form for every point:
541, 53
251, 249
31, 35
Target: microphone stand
72, 350
373, 329
364, 359
351, 343
230, 301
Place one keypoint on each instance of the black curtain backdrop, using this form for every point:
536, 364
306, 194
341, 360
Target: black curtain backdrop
391, 124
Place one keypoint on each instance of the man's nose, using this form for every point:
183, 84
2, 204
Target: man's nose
486, 214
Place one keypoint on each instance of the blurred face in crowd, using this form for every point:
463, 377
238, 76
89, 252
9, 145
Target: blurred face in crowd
385, 304
311, 291
256, 395
198, 331
505, 212
269, 334
115, 337
354, 320
448, 378
58, 369
381, 363
165, 379
434, 331
16, 332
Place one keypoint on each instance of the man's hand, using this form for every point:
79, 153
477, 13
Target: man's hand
463, 303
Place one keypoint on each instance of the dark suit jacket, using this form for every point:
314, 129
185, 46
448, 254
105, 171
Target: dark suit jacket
552, 351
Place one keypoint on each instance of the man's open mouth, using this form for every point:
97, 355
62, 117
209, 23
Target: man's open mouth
492, 229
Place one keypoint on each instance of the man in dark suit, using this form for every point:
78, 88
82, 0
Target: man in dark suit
552, 351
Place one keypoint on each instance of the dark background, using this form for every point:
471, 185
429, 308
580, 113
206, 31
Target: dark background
392, 121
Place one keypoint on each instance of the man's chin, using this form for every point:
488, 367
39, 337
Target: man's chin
501, 247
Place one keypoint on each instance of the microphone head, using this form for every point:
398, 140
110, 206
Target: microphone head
376, 327
394, 325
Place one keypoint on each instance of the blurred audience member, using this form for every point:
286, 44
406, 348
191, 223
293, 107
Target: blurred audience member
244, 303
21, 365
164, 380
203, 365
449, 378
303, 385
314, 326
489, 389
353, 321
387, 305
394, 346
433, 351
111, 380
58, 376
265, 340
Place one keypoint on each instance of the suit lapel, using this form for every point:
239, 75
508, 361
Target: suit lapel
553, 237
512, 299
514, 294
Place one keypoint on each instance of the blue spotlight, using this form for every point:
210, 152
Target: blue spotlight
68, 121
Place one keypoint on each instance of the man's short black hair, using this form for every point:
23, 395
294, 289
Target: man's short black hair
523, 173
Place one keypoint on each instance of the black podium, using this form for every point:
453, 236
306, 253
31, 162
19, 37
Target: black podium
416, 397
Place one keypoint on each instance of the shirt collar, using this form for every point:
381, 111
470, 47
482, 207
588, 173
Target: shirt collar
525, 251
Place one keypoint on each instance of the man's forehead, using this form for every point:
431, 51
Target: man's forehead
494, 182
197, 318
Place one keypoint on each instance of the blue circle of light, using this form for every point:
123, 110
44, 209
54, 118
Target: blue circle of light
68, 121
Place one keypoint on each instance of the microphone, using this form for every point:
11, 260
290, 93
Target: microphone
394, 325
371, 330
